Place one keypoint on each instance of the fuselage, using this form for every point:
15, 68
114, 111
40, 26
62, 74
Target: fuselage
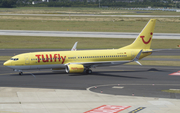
58, 59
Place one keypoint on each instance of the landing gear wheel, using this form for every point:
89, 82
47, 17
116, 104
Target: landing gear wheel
20, 73
88, 71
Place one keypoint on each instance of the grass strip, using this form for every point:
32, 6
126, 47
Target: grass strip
157, 63
95, 24
36, 42
164, 57
171, 91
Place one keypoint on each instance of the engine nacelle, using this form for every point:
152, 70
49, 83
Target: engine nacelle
74, 68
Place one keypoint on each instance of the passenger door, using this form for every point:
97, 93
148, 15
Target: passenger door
27, 60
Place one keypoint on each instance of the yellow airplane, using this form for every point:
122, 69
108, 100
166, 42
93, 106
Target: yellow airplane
81, 61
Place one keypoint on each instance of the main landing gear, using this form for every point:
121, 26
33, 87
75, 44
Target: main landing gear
88, 71
20, 73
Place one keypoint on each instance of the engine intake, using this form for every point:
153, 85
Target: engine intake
74, 68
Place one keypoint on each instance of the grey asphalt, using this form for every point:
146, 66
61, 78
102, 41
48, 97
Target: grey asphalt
85, 34
136, 80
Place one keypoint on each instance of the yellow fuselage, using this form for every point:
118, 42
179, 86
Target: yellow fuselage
57, 59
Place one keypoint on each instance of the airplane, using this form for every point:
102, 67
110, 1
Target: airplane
81, 61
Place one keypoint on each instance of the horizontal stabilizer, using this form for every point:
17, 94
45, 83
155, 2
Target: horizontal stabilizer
138, 63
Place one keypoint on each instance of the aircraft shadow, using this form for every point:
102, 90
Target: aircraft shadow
95, 73
111, 75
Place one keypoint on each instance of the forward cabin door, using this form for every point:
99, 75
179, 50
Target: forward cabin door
27, 60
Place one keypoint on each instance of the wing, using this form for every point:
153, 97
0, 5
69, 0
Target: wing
108, 63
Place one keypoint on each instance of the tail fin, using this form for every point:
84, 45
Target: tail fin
143, 41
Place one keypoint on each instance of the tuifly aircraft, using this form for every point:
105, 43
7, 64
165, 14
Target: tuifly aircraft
79, 61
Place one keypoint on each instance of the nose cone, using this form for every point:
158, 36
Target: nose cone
7, 63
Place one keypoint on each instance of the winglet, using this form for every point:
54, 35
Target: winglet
74, 47
137, 57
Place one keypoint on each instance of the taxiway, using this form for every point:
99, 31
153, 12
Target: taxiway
53, 92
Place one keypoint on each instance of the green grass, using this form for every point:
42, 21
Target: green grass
14, 42
85, 24
171, 91
157, 63
164, 57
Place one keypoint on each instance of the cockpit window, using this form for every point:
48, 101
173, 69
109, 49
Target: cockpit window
15, 59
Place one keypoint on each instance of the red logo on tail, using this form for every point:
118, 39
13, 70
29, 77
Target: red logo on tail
144, 40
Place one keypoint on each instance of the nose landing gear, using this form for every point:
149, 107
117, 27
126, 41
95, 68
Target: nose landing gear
20, 71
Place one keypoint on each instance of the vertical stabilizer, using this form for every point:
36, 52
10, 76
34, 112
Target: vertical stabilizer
143, 41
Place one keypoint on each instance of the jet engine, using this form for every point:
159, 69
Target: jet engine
74, 68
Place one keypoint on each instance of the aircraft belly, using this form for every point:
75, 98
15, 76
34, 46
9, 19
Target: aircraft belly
38, 67
47, 66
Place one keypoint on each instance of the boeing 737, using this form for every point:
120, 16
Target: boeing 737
79, 61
